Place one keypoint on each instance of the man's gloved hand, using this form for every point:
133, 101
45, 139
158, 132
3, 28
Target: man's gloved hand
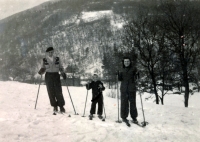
64, 75
42, 71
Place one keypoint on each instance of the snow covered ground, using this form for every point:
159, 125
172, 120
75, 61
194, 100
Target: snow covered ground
20, 122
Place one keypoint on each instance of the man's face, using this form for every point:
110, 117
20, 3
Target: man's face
95, 77
127, 62
51, 53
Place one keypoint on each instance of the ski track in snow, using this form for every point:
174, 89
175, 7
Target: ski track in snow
20, 122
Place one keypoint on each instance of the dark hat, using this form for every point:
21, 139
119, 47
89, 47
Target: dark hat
49, 49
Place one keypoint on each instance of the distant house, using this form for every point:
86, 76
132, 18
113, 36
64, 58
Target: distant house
72, 78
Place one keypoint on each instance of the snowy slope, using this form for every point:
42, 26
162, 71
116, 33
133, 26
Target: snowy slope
115, 19
95, 15
20, 122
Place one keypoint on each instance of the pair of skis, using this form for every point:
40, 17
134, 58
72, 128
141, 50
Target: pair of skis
143, 124
91, 118
56, 112
126, 122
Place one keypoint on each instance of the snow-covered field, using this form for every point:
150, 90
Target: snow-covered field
20, 122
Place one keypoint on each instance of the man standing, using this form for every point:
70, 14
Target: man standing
52, 65
97, 88
128, 90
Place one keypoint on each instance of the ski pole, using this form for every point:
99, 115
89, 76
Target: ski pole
143, 123
104, 110
71, 99
38, 92
85, 104
118, 121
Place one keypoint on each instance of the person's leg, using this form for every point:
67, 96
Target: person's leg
133, 108
93, 107
100, 105
124, 105
50, 89
58, 91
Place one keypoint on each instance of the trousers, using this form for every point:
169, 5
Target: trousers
100, 106
54, 89
128, 102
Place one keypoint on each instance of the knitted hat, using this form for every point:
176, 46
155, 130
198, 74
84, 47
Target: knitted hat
49, 49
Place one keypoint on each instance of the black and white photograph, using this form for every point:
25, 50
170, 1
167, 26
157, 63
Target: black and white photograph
99, 70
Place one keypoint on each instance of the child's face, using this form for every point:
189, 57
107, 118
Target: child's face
95, 77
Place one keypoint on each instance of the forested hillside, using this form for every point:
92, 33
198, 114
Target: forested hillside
92, 36
26, 35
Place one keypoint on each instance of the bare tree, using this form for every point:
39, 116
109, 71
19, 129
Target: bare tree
165, 74
141, 33
180, 21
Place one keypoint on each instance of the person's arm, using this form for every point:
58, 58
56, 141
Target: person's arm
136, 74
61, 68
43, 62
120, 76
89, 85
101, 86
42, 69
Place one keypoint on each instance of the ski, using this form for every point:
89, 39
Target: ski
127, 123
65, 114
90, 117
140, 124
100, 117
56, 112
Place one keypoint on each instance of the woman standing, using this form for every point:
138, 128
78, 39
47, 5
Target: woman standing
128, 90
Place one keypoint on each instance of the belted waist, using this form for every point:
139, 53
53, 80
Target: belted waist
52, 73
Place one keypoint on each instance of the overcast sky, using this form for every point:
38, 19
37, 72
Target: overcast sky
10, 7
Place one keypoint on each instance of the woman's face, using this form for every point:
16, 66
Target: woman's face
127, 62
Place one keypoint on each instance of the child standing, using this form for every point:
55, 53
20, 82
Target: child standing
97, 88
